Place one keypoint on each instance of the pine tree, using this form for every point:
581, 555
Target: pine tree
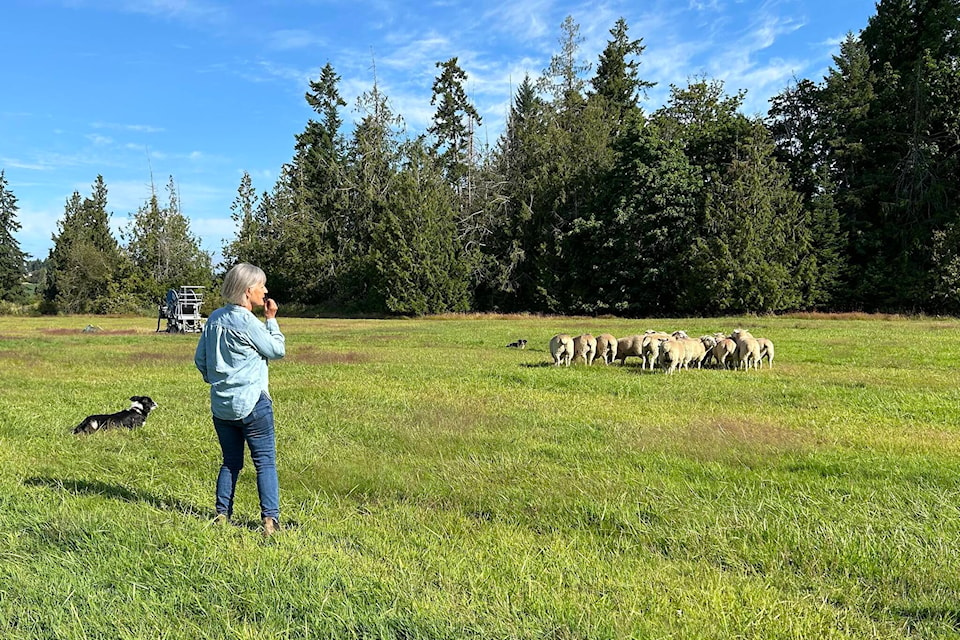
246, 245
914, 51
373, 157
617, 79
11, 257
798, 123
416, 252
85, 263
310, 261
164, 253
453, 124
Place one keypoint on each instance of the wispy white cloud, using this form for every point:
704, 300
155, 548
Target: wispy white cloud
16, 163
289, 39
419, 55
98, 139
140, 128
196, 12
704, 5
522, 19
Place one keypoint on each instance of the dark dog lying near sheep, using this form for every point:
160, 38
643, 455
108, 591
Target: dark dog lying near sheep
135, 416
519, 344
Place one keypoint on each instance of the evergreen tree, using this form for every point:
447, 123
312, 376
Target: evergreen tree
372, 161
753, 251
246, 245
453, 124
914, 51
617, 79
85, 263
164, 253
519, 160
416, 251
846, 122
452, 131
798, 125
648, 251
563, 78
11, 257
310, 258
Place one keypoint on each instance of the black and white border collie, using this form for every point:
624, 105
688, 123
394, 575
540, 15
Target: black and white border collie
135, 416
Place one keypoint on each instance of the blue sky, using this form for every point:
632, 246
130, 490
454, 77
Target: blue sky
203, 90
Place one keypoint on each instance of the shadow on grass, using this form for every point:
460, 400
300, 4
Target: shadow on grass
119, 492
946, 615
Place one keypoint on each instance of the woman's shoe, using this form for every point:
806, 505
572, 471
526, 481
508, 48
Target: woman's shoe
270, 527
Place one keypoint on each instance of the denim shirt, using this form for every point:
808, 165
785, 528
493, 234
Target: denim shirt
232, 357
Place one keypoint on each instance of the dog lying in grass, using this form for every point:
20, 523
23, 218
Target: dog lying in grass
135, 416
519, 344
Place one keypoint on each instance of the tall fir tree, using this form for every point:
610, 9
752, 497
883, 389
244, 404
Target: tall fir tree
12, 259
416, 251
311, 257
453, 124
798, 126
617, 80
373, 158
519, 161
85, 263
914, 51
164, 252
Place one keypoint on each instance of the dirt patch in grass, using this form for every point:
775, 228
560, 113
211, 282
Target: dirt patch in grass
318, 357
735, 431
726, 437
140, 357
447, 419
98, 332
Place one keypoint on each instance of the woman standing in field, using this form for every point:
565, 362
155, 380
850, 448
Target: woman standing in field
232, 357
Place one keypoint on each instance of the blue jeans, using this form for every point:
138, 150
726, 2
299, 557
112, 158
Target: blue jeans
256, 430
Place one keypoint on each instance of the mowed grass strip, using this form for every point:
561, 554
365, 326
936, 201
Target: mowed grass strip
436, 484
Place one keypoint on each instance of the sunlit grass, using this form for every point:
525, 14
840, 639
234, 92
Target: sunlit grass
437, 484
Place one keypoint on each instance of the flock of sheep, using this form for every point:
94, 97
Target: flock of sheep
669, 351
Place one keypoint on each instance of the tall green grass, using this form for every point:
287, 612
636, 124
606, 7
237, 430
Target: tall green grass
435, 484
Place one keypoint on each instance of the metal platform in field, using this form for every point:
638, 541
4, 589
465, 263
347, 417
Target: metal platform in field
181, 308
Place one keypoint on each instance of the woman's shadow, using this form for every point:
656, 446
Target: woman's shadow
119, 492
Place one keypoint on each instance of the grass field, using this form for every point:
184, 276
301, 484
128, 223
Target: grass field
435, 484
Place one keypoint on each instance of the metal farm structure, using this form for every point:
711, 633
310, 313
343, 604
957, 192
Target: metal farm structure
181, 308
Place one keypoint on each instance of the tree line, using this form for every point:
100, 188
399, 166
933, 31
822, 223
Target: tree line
844, 196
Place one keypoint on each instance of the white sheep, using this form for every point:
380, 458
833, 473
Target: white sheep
584, 346
693, 352
629, 346
650, 347
606, 348
561, 348
709, 342
748, 349
766, 351
724, 350
671, 355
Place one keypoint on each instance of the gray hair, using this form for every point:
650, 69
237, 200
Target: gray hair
240, 278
